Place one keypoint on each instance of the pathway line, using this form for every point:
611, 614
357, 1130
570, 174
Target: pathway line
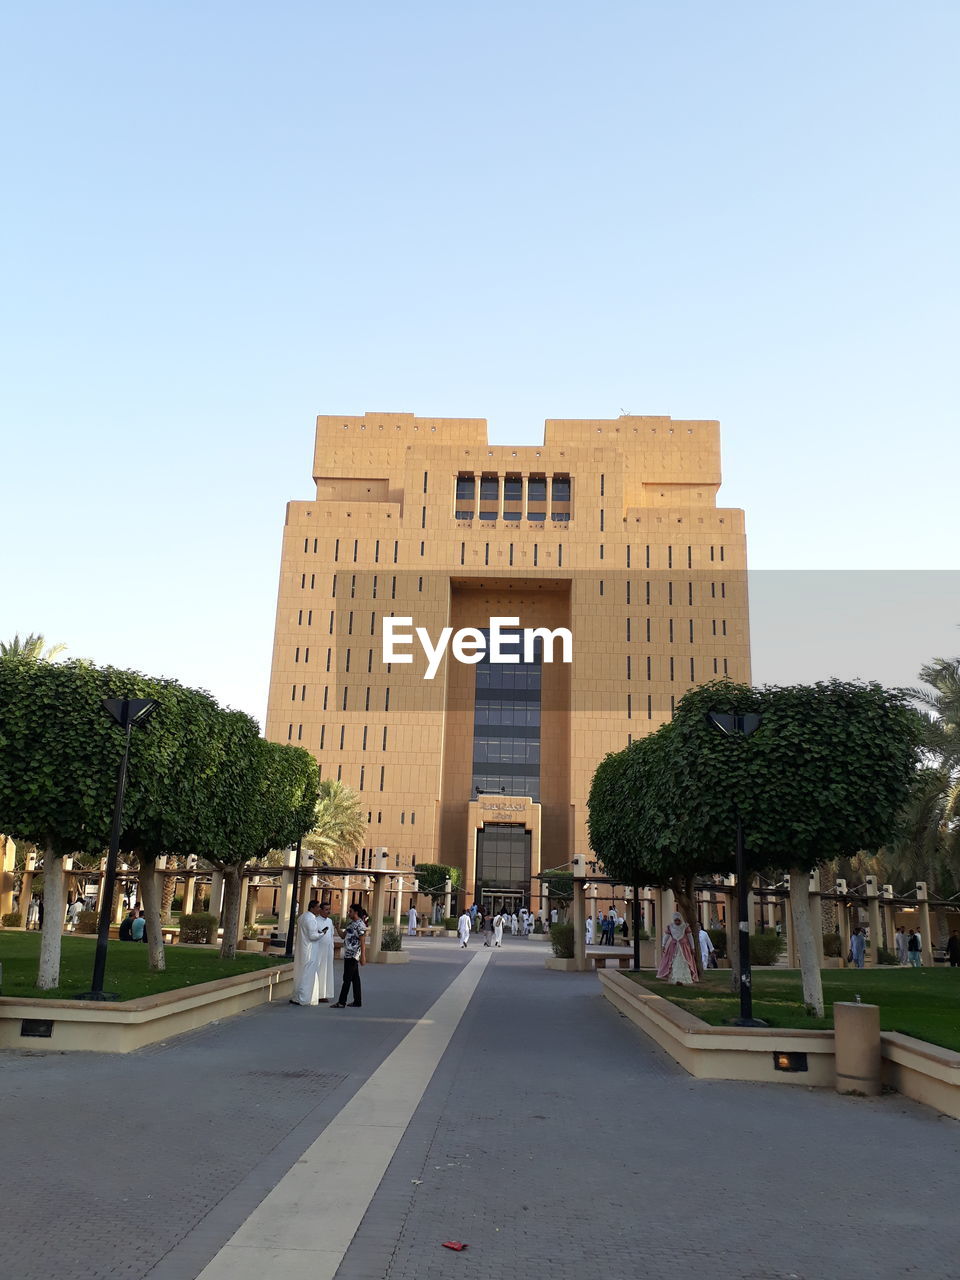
306, 1223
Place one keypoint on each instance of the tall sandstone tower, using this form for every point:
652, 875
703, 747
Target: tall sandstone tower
610, 529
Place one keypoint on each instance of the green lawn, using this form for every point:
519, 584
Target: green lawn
127, 972
919, 1002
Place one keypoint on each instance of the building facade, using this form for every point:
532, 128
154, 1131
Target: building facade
608, 530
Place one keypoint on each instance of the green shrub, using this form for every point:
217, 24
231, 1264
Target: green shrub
200, 926
177, 903
449, 922
11, 920
561, 939
392, 940
538, 925
886, 957
831, 945
765, 948
643, 935
719, 939
87, 921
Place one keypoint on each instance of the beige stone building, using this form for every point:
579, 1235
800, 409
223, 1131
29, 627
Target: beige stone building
609, 529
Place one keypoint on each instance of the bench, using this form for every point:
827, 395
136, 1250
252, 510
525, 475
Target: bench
623, 960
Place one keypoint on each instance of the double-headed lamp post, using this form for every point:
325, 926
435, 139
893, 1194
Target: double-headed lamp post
742, 724
127, 712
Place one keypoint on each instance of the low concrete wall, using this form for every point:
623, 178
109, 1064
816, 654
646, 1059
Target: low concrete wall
921, 1071
122, 1026
720, 1053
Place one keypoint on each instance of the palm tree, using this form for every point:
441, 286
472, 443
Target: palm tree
928, 844
339, 827
31, 648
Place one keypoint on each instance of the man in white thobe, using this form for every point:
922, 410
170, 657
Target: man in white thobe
498, 929
411, 921
306, 959
588, 931
325, 955
464, 928
706, 946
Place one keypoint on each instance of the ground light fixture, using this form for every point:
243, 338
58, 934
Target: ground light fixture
741, 724
127, 712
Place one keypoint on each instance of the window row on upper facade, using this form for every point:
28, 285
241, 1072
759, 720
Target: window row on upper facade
512, 497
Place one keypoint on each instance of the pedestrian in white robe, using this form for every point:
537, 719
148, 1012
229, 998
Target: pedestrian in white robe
589, 931
513, 923
498, 929
411, 922
306, 957
706, 947
464, 928
328, 933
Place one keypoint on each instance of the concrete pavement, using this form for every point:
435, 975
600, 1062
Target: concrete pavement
550, 1136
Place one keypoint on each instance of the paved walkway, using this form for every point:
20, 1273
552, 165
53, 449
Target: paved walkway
550, 1136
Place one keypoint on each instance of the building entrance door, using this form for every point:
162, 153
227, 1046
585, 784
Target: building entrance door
506, 900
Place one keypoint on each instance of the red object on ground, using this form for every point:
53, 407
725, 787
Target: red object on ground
454, 1244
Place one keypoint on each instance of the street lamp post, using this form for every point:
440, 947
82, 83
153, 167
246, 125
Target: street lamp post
127, 712
742, 724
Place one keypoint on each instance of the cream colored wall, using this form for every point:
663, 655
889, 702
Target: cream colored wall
372, 519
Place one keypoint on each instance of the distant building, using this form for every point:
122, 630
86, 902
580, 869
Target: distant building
609, 529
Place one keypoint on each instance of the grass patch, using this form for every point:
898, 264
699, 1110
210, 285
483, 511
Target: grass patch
127, 972
917, 1002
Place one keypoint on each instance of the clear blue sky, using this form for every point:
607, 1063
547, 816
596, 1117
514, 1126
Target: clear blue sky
220, 219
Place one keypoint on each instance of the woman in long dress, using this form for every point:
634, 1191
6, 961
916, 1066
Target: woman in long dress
677, 963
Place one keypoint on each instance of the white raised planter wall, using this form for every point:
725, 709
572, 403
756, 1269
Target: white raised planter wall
130, 1024
918, 1070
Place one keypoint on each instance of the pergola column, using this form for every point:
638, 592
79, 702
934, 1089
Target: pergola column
8, 860
816, 914
888, 913
375, 938
399, 911
253, 901
923, 902
579, 911
26, 885
215, 906
447, 896
843, 919
873, 911
786, 915
189, 889
730, 918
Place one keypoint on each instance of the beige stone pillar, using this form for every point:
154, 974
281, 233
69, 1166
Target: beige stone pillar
101, 884
244, 894
752, 905
447, 898
189, 888
117, 909
857, 1047
8, 859
26, 884
924, 904
656, 931
579, 911
375, 937
786, 916
398, 915
730, 912
873, 911
888, 914
215, 906
253, 900
816, 912
843, 919
285, 896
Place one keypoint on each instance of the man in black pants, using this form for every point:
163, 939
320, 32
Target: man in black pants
354, 955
